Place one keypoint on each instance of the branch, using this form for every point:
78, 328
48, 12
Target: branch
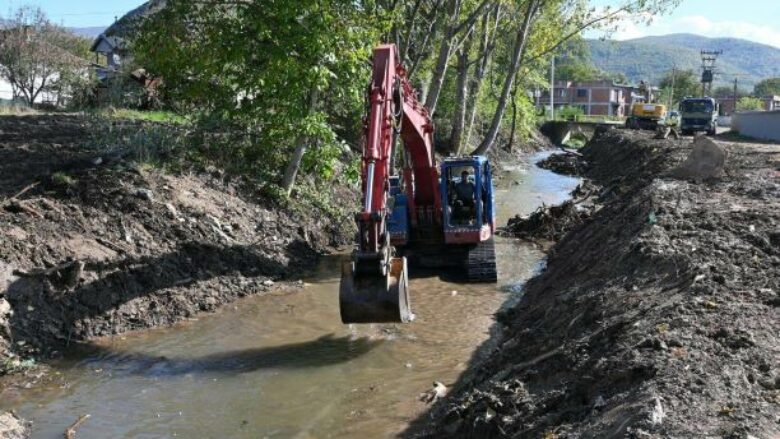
582, 27
471, 18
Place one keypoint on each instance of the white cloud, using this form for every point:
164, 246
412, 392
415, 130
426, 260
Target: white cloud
701, 25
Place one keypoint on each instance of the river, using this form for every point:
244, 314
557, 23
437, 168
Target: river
282, 365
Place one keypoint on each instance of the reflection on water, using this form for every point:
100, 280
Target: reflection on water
283, 365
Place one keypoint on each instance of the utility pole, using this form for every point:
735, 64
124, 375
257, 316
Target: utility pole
671, 95
708, 70
552, 89
735, 96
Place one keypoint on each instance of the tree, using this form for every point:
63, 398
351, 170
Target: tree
723, 91
750, 103
35, 55
767, 87
265, 69
682, 83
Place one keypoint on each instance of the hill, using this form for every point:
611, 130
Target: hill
650, 58
88, 32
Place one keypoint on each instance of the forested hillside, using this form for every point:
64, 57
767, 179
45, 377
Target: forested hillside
649, 58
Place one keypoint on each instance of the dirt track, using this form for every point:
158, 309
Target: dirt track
657, 317
99, 246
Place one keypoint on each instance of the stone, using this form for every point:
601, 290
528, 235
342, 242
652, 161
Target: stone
707, 160
144, 194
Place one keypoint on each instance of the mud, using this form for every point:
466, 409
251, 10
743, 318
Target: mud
656, 318
93, 246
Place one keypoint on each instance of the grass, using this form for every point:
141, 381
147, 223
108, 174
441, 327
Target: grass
138, 115
8, 108
62, 179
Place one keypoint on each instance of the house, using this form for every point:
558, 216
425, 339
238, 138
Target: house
112, 45
771, 103
595, 98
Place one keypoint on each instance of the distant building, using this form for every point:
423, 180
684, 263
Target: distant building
771, 103
595, 98
111, 45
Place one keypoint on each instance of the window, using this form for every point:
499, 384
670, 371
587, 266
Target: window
582, 93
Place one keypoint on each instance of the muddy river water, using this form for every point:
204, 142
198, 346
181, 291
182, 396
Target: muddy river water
283, 365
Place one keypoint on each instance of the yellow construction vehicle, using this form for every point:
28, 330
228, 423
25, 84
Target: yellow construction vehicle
646, 115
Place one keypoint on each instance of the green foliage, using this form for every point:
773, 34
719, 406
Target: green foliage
767, 87
254, 67
686, 84
62, 179
749, 103
569, 113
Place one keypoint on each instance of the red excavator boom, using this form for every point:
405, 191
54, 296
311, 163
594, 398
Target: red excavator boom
374, 283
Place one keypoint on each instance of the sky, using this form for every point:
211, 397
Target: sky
755, 20
77, 13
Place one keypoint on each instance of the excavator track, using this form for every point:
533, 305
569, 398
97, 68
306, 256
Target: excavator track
481, 262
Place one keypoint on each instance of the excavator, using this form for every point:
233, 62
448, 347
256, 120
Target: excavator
432, 213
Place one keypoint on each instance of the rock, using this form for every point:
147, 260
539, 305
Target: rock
707, 160
144, 194
439, 391
657, 415
12, 427
268, 283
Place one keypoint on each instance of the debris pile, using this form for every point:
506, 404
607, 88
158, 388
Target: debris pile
567, 163
548, 222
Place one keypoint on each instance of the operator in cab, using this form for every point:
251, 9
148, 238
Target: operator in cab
464, 198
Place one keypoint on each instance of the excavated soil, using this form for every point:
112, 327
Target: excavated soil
97, 246
655, 318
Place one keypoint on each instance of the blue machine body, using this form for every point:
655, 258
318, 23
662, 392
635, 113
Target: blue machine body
480, 228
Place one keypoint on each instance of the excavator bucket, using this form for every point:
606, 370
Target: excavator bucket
371, 298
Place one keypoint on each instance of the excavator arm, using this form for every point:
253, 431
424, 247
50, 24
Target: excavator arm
374, 284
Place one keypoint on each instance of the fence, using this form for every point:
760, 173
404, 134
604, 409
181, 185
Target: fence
757, 124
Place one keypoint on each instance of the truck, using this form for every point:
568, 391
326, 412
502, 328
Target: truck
698, 114
645, 116
426, 212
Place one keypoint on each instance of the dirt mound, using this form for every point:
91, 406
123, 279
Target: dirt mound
657, 318
92, 248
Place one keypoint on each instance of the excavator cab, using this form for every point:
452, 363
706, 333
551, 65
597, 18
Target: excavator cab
467, 197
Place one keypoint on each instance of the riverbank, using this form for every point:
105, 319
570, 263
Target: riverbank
656, 317
95, 245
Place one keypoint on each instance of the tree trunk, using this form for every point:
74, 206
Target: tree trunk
517, 55
514, 119
301, 143
448, 42
461, 97
442, 61
485, 48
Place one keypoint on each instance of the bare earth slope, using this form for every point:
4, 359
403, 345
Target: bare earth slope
657, 317
99, 246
